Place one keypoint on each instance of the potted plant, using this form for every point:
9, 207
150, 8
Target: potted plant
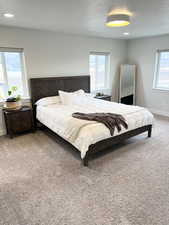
13, 102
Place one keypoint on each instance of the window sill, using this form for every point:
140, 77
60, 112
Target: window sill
100, 90
161, 89
1, 104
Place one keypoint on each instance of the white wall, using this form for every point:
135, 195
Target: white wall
142, 52
54, 54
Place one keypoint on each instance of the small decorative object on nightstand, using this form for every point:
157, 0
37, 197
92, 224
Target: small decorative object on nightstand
103, 97
19, 121
13, 102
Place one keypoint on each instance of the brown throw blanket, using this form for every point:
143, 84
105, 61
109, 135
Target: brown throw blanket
110, 120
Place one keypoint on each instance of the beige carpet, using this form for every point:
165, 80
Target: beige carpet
42, 182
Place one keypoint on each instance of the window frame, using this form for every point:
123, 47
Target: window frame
23, 70
156, 73
107, 69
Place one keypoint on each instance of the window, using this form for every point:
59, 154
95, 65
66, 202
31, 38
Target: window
12, 72
99, 71
161, 80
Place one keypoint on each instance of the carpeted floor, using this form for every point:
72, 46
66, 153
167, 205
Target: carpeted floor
42, 182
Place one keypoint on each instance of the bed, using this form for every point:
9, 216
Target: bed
88, 137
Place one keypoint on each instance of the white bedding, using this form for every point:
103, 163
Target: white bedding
83, 133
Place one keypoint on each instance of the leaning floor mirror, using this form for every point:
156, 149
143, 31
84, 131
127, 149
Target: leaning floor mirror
127, 84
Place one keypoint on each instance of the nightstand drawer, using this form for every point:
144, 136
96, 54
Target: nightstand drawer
104, 97
20, 122
107, 98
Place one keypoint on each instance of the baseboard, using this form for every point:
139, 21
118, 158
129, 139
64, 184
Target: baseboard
159, 112
2, 132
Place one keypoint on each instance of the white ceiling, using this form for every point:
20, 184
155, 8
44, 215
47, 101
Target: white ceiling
87, 17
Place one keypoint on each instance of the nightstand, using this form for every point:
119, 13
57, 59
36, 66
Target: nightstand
19, 121
104, 97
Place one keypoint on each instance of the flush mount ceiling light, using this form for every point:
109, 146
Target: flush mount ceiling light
118, 20
8, 15
126, 33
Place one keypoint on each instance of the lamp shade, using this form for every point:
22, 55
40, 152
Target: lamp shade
118, 20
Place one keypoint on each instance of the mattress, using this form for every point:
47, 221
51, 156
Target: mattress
83, 133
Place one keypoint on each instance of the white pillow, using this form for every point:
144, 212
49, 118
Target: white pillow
66, 97
48, 101
80, 100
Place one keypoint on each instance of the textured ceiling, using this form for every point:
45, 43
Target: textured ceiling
87, 17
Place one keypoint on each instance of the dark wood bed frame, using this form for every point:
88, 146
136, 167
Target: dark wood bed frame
44, 87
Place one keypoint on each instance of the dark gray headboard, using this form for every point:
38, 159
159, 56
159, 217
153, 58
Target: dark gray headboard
44, 87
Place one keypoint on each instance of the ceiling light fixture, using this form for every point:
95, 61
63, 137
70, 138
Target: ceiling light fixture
126, 33
8, 15
124, 11
118, 20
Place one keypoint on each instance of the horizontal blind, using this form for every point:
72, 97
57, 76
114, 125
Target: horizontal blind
162, 50
8, 49
100, 53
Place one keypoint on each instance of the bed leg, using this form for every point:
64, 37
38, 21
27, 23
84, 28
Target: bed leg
85, 161
149, 131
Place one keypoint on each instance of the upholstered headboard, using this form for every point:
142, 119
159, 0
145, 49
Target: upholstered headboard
44, 87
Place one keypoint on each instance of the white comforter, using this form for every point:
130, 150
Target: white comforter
83, 133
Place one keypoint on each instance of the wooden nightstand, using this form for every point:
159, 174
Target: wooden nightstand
19, 121
104, 97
